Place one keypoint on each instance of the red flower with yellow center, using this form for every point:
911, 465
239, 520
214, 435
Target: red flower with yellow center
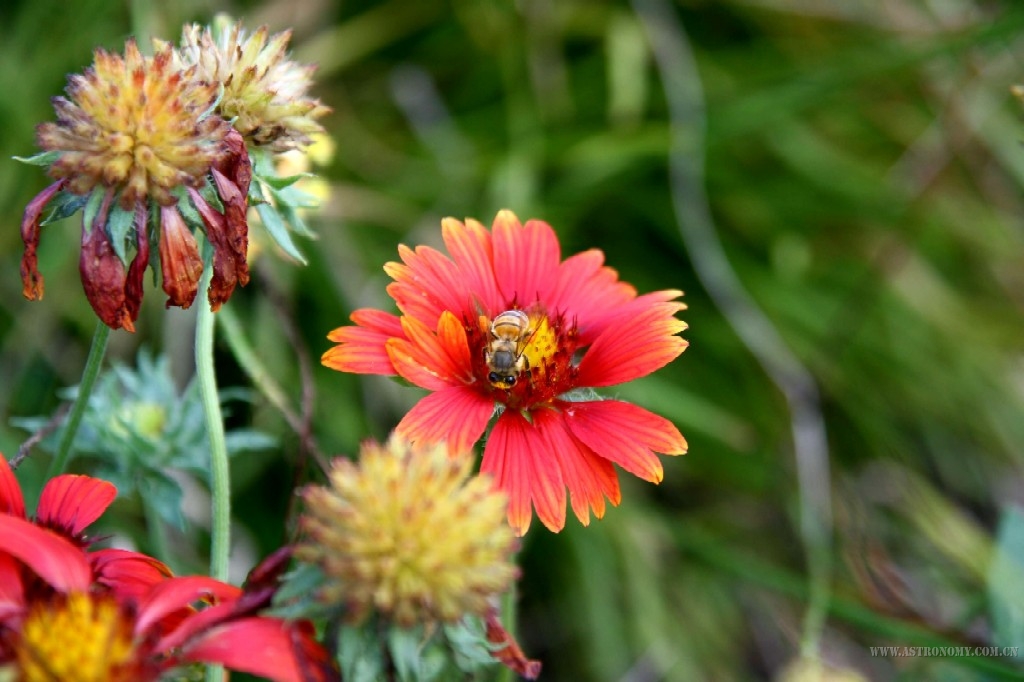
505, 323
67, 506
79, 616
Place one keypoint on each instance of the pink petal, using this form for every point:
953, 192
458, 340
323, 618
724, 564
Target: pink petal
454, 414
648, 343
589, 478
471, 248
432, 361
11, 500
525, 258
503, 461
265, 647
625, 434
427, 284
544, 476
174, 594
70, 503
54, 559
590, 293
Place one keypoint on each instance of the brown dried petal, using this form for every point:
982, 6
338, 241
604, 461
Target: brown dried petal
103, 275
31, 280
225, 276
510, 654
180, 261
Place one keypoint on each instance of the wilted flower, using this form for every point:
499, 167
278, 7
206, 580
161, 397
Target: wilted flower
505, 323
410, 533
134, 143
264, 92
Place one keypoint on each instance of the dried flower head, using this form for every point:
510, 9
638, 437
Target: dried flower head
137, 146
264, 91
409, 532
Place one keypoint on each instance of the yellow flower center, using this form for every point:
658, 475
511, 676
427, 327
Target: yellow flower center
85, 638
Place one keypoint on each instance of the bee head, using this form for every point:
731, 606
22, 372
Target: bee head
505, 381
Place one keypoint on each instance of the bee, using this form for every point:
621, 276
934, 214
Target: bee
510, 333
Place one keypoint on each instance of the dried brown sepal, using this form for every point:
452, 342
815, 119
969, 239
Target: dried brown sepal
31, 279
103, 274
510, 654
232, 175
180, 262
137, 270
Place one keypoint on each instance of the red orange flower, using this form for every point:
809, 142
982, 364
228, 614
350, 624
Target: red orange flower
67, 506
579, 327
112, 615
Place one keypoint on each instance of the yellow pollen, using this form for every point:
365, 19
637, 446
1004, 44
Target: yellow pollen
543, 343
83, 639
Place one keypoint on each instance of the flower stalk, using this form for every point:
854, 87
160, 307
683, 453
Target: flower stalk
93, 362
220, 477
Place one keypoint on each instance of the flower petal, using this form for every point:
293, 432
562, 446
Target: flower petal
429, 360
526, 258
31, 280
589, 478
129, 575
70, 503
175, 594
12, 591
589, 293
180, 263
543, 475
361, 349
645, 341
506, 458
11, 500
427, 283
266, 647
103, 273
454, 414
470, 245
54, 559
625, 434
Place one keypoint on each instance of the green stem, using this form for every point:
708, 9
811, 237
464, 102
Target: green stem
89, 374
508, 620
220, 482
220, 473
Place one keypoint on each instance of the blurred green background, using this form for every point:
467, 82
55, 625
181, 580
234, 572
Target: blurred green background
863, 180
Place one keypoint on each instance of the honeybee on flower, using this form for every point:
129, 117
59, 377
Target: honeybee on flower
505, 322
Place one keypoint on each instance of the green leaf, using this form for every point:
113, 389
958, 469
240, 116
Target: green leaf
64, 205
92, 207
1005, 577
163, 494
44, 159
282, 183
405, 647
359, 654
278, 231
120, 223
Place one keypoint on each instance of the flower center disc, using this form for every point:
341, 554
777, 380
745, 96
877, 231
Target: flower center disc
546, 348
82, 639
